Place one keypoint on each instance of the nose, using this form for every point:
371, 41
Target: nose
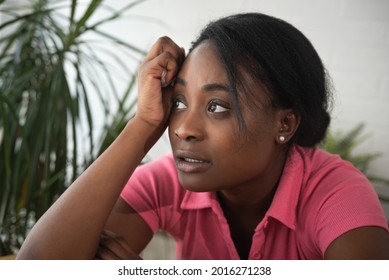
189, 127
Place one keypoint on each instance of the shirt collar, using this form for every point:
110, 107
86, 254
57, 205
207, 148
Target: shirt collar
284, 204
198, 200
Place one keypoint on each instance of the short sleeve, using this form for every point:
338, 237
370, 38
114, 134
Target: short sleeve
349, 203
152, 192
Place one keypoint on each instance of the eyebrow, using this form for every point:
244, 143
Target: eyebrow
207, 87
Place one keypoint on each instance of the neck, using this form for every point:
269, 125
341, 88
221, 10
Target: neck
248, 203
253, 197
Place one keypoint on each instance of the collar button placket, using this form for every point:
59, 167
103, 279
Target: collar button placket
257, 255
258, 244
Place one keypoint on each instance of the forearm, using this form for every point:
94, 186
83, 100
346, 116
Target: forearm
71, 227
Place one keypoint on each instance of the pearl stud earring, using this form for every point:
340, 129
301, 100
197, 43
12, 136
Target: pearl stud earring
282, 138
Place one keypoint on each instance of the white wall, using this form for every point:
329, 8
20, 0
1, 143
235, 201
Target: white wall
352, 37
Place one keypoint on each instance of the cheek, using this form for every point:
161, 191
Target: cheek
246, 163
253, 150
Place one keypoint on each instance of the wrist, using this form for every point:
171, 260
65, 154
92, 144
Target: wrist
147, 134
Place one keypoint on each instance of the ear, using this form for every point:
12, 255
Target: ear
288, 122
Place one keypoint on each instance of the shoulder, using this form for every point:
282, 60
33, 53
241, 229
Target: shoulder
156, 174
335, 198
322, 169
162, 167
155, 193
333, 184
156, 180
329, 181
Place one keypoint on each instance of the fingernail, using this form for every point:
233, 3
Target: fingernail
163, 78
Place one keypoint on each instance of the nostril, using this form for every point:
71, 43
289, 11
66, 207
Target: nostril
189, 128
185, 135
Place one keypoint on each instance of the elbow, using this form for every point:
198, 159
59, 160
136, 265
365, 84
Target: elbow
26, 252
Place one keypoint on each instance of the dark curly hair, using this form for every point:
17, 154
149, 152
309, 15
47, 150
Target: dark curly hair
279, 56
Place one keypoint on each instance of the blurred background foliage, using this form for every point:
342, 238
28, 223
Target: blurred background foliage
57, 68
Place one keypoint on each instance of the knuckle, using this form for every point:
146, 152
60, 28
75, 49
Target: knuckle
168, 56
164, 40
142, 67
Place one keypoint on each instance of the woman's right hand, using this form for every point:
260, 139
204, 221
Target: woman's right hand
114, 247
155, 76
103, 181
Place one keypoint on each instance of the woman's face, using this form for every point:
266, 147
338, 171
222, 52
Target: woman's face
210, 152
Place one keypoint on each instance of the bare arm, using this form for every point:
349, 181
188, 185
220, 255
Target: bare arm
126, 234
71, 228
365, 243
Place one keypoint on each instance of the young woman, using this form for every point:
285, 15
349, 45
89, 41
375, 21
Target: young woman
245, 110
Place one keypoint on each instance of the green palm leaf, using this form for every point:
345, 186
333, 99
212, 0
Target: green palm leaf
50, 71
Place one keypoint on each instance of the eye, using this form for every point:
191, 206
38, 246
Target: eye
214, 107
177, 104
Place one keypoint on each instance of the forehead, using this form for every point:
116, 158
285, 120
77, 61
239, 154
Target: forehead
203, 65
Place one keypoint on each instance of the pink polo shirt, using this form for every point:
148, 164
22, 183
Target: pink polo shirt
319, 198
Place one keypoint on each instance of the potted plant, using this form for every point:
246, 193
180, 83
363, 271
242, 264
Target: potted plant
54, 60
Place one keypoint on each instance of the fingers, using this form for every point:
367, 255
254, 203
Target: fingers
164, 44
164, 59
114, 247
157, 72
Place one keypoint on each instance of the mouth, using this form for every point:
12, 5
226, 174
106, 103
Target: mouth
189, 162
